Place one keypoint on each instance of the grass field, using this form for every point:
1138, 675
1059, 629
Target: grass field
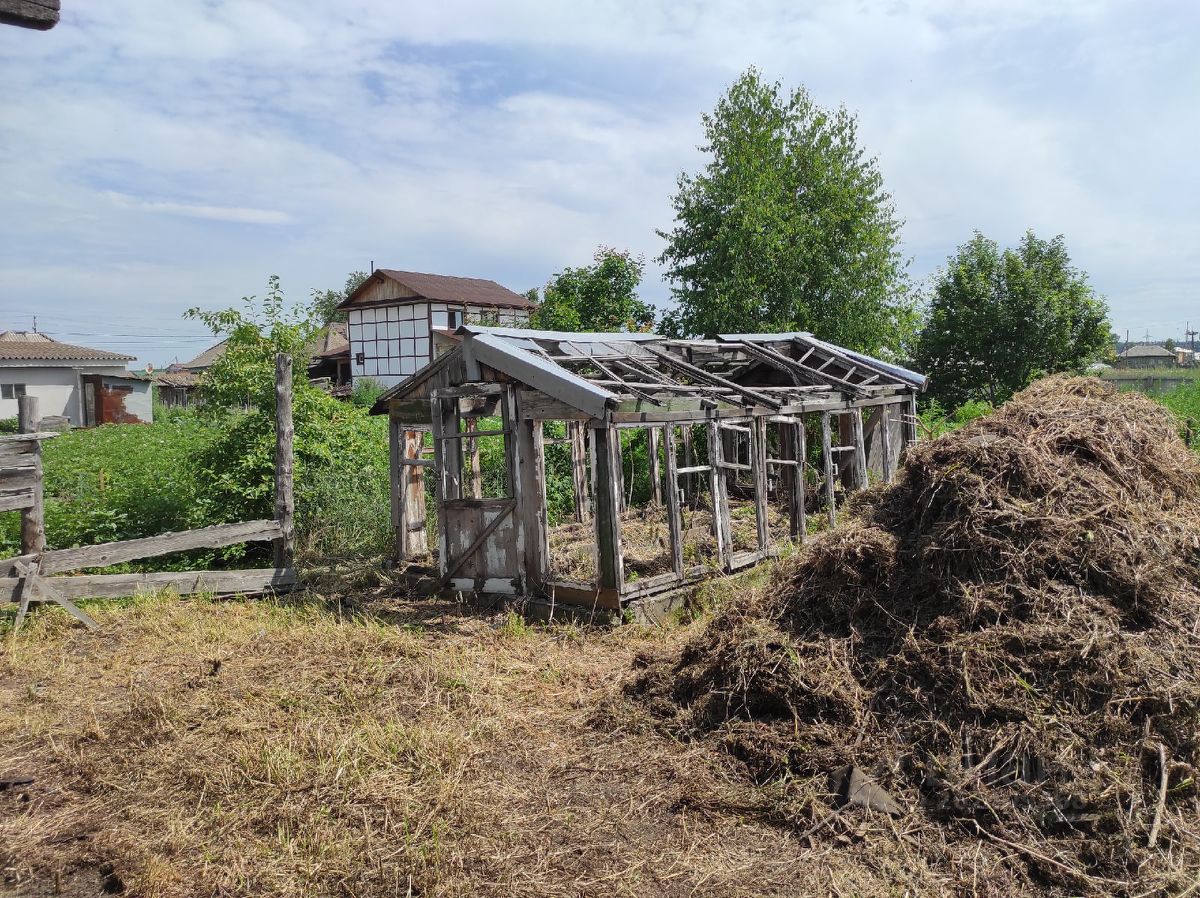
288, 749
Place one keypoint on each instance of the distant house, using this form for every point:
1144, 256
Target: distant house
85, 386
397, 319
1146, 355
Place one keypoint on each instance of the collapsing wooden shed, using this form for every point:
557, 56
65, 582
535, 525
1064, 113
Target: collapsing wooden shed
725, 431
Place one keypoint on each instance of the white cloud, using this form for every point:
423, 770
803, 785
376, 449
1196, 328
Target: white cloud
163, 157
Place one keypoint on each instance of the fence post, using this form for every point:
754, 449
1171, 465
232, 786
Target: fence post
33, 520
285, 503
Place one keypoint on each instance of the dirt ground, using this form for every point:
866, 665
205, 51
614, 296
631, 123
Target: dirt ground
262, 748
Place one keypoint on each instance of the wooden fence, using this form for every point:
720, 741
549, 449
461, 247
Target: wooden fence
28, 578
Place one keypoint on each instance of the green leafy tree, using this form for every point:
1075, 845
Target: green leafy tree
244, 375
597, 297
787, 227
998, 319
325, 302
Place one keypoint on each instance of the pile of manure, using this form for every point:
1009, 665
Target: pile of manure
997, 652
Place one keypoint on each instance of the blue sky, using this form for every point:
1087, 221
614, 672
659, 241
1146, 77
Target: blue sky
159, 156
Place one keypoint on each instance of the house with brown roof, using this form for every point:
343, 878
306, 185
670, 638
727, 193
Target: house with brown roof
83, 385
399, 320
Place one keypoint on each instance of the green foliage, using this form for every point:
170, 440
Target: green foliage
788, 227
324, 303
244, 375
997, 320
118, 481
366, 391
1184, 401
9, 425
597, 297
935, 420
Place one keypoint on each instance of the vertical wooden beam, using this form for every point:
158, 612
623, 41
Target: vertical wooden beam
689, 459
799, 515
412, 497
396, 484
606, 472
860, 450
474, 473
719, 493
656, 494
910, 421
827, 465
516, 485
758, 464
885, 443
33, 519
674, 526
285, 433
531, 511
440, 487
579, 481
620, 472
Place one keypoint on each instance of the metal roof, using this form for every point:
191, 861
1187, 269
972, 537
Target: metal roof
596, 372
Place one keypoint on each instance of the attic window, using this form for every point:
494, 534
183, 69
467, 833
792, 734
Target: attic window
454, 319
12, 391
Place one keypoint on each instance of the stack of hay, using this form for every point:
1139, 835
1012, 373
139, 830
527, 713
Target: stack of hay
1006, 640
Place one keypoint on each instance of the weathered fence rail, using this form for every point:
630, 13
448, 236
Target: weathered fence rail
27, 578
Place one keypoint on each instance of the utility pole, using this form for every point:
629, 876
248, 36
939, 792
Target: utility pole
1190, 334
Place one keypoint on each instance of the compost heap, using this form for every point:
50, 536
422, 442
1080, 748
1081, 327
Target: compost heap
1005, 641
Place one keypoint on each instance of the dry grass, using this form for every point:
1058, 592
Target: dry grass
242, 748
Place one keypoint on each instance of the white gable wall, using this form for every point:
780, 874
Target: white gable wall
391, 343
56, 386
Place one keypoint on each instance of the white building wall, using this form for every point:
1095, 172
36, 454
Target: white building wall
55, 386
391, 343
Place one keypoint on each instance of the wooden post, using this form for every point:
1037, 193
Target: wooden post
606, 479
474, 473
33, 518
689, 459
719, 493
285, 501
579, 483
758, 463
674, 526
860, 450
827, 464
531, 512
440, 491
656, 495
519, 450
885, 444
910, 422
620, 471
408, 491
799, 516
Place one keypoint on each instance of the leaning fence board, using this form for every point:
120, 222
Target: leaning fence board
110, 586
14, 501
58, 561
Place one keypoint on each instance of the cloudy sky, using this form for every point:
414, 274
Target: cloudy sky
159, 155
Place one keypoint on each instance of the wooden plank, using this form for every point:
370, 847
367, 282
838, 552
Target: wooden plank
860, 451
827, 467
471, 448
57, 561
656, 492
700, 469
470, 434
758, 460
453, 566
17, 454
101, 586
437, 415
516, 484
799, 514
16, 501
579, 480
689, 462
719, 494
530, 458
33, 516
476, 389
700, 374
40, 15
674, 527
285, 434
16, 439
537, 405
395, 451
910, 422
412, 498
605, 479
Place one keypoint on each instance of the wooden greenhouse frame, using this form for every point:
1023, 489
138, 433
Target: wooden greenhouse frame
740, 406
